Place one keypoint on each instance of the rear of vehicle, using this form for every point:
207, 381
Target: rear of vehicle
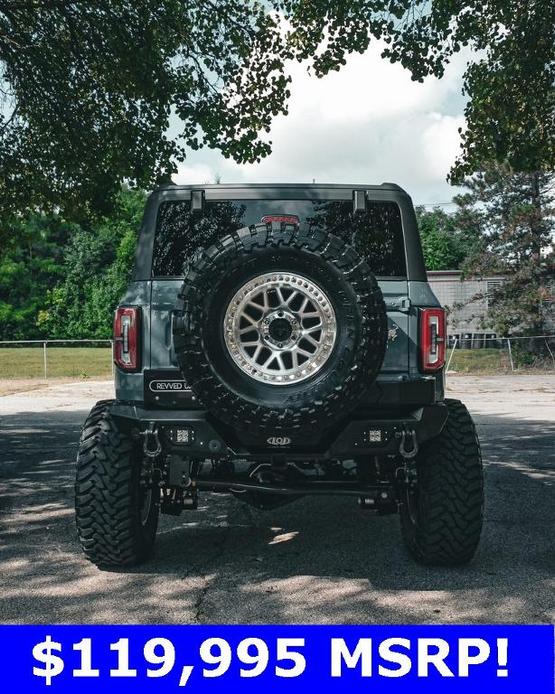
279, 341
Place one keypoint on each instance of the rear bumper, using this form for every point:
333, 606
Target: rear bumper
194, 434
166, 389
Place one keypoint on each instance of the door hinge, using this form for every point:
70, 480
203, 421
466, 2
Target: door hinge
402, 304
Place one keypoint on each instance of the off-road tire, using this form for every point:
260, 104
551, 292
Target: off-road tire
212, 277
441, 525
108, 494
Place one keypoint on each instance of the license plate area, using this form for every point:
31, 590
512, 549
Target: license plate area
166, 388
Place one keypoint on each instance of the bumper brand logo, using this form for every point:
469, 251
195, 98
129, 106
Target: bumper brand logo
279, 440
157, 386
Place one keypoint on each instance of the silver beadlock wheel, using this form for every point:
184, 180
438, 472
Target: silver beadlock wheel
280, 328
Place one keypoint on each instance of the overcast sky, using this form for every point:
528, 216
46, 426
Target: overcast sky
368, 123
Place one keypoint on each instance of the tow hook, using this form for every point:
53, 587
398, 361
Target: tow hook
151, 446
408, 452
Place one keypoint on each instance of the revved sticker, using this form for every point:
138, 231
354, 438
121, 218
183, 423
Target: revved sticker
168, 386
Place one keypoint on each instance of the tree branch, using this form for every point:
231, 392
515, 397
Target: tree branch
10, 119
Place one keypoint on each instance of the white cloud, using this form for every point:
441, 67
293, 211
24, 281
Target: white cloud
194, 173
368, 123
440, 142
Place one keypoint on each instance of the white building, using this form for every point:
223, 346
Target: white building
464, 316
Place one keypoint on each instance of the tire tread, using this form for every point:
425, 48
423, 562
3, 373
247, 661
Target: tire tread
314, 409
451, 488
107, 523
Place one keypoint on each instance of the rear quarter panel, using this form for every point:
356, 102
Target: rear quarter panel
129, 386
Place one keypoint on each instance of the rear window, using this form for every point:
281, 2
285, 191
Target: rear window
376, 234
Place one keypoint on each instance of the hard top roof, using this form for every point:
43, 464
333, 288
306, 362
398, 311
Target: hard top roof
216, 186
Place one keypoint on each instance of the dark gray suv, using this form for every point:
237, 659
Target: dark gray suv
278, 341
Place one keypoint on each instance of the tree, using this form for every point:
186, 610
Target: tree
510, 115
89, 88
62, 280
97, 264
515, 216
445, 245
30, 266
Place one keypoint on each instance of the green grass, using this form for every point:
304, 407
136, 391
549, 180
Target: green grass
78, 362
479, 361
496, 361
96, 362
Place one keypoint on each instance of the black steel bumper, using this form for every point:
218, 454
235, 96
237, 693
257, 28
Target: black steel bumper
194, 434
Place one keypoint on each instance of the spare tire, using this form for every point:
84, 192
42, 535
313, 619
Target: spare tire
279, 329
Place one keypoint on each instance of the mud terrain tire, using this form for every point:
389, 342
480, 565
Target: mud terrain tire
116, 524
211, 280
441, 521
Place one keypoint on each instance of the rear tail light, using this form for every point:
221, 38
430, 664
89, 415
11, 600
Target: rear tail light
127, 331
432, 338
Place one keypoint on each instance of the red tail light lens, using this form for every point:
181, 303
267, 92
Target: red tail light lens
283, 218
432, 338
127, 332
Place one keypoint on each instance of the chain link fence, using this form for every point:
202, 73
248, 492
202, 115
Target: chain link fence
478, 353
44, 359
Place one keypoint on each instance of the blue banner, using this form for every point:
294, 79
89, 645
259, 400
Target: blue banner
277, 658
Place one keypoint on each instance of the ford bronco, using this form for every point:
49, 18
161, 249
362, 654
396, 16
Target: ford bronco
278, 341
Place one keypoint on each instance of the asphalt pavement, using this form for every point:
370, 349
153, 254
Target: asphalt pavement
318, 560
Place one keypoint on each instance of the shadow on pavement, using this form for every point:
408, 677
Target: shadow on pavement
316, 560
